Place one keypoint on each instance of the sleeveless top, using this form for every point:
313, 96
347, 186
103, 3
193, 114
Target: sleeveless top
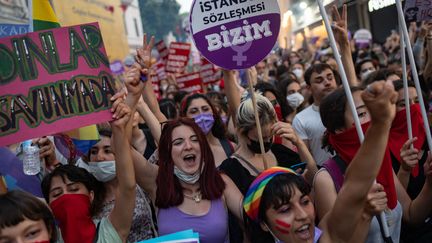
212, 227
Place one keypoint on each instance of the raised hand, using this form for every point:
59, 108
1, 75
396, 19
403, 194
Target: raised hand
409, 155
143, 57
46, 150
285, 130
252, 75
121, 114
339, 25
133, 83
380, 99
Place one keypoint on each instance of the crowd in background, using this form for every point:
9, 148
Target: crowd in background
194, 160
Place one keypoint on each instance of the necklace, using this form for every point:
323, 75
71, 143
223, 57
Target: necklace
196, 197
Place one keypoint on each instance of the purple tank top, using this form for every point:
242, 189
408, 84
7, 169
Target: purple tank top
212, 227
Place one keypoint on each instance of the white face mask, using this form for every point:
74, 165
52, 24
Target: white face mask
187, 178
295, 100
365, 75
104, 171
298, 73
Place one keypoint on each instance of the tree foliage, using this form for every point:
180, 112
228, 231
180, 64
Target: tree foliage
159, 17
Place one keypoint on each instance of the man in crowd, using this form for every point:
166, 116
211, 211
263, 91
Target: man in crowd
320, 80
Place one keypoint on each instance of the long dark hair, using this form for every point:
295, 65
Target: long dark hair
76, 174
16, 206
218, 129
169, 191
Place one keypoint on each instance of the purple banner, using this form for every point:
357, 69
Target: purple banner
237, 34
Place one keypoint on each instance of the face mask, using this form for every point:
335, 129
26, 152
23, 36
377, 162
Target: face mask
298, 73
205, 121
103, 171
73, 213
254, 146
365, 75
164, 87
187, 178
295, 100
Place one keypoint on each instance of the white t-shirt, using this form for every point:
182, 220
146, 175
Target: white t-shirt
308, 126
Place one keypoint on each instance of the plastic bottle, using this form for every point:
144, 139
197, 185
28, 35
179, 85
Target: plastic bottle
31, 160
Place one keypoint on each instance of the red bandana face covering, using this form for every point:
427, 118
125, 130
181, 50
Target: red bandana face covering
73, 213
347, 143
399, 133
278, 110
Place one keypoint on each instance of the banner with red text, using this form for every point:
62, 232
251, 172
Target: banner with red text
191, 83
178, 57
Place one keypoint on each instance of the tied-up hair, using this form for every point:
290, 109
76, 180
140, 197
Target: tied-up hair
245, 118
169, 191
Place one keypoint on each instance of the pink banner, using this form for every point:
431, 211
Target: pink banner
191, 83
178, 57
208, 72
163, 50
155, 84
53, 81
159, 68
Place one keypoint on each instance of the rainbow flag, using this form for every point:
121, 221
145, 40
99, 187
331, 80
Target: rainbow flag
43, 15
44, 18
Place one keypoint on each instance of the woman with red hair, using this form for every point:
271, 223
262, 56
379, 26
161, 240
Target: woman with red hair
186, 186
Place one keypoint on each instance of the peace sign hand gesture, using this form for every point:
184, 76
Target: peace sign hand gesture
339, 25
143, 57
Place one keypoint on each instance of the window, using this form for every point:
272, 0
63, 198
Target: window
136, 27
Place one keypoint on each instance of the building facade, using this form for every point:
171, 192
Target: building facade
133, 25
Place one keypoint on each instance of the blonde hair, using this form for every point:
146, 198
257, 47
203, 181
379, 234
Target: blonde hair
245, 119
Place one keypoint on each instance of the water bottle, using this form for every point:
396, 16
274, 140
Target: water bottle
31, 160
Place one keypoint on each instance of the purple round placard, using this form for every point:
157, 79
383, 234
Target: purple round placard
235, 34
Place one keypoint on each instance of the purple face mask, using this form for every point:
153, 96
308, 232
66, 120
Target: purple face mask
205, 121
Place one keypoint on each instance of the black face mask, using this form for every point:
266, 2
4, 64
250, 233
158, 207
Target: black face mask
254, 146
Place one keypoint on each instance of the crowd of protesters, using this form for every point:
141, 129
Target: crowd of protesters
194, 161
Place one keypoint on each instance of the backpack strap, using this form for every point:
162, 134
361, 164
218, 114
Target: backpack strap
227, 147
336, 167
